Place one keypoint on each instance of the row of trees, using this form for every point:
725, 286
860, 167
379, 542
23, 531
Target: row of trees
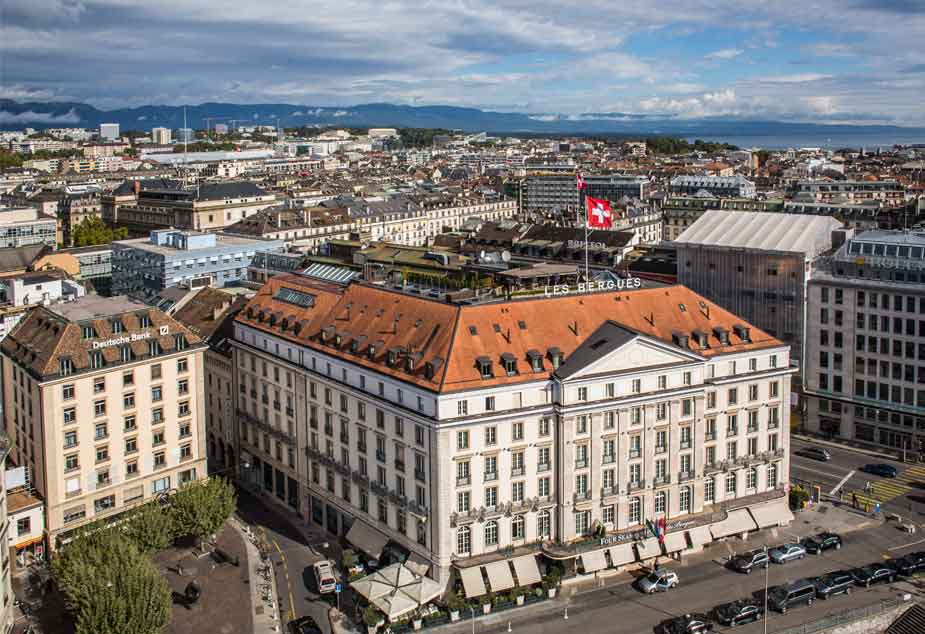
106, 575
670, 145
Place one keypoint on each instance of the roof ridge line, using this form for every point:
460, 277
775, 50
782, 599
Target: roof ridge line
446, 364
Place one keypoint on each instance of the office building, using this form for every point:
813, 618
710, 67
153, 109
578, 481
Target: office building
91, 266
865, 356
27, 226
465, 434
143, 267
109, 131
160, 136
185, 135
557, 193
103, 398
756, 265
736, 186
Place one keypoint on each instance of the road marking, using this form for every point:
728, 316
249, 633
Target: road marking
802, 468
906, 545
288, 582
842, 482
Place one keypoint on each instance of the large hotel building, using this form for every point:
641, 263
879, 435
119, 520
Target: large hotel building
470, 434
102, 400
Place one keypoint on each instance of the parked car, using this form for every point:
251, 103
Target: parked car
910, 564
787, 552
658, 581
875, 573
687, 624
800, 592
304, 625
737, 612
324, 576
832, 583
882, 470
823, 541
816, 453
750, 560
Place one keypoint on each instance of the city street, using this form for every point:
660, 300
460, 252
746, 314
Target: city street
620, 609
292, 556
843, 473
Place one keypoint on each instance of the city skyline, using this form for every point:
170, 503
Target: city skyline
690, 59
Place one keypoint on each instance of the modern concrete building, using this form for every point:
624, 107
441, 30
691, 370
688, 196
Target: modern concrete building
680, 212
103, 398
143, 267
468, 435
557, 193
19, 293
160, 136
756, 265
109, 131
865, 343
736, 186
22, 227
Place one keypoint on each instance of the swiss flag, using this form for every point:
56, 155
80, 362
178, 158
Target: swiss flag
579, 181
600, 216
662, 529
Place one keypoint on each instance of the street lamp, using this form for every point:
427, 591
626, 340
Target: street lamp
767, 569
472, 612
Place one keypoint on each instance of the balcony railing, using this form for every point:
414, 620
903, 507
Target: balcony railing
635, 486
710, 435
635, 453
713, 467
517, 471
608, 458
460, 481
345, 438
543, 466
581, 464
608, 491
773, 424
491, 476
399, 465
661, 448
581, 496
685, 444
660, 480
684, 476
419, 475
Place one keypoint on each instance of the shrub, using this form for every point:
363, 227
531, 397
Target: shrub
455, 602
371, 616
798, 497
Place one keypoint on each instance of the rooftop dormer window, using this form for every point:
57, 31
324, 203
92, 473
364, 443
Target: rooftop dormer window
66, 366
180, 342
484, 366
96, 360
510, 363
536, 360
117, 326
154, 348
555, 356
145, 321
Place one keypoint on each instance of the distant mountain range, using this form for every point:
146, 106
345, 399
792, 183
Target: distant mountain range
41, 115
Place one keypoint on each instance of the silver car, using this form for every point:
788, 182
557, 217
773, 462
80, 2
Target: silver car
658, 581
787, 552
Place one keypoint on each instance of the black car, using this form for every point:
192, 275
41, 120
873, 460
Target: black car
304, 625
687, 624
874, 573
750, 560
823, 541
738, 612
882, 470
816, 453
910, 564
832, 583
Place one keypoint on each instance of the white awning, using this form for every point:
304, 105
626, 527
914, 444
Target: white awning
367, 538
499, 575
737, 521
593, 561
700, 536
622, 554
771, 515
675, 541
648, 548
527, 570
396, 590
472, 581
417, 564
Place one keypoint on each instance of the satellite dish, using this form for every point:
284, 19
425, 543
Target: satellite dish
505, 256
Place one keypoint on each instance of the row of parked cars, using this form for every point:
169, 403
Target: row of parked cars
800, 592
746, 562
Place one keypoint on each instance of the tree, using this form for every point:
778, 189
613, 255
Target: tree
149, 528
200, 508
92, 230
110, 587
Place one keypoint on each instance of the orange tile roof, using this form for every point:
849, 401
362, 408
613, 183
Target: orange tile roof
441, 333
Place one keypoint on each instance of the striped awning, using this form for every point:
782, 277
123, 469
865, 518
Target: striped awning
499, 575
593, 561
527, 571
622, 554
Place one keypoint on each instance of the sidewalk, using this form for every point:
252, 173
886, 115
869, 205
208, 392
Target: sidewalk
265, 613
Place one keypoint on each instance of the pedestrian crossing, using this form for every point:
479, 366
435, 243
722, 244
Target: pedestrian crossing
885, 489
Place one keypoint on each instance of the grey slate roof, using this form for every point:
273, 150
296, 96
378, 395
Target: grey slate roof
761, 231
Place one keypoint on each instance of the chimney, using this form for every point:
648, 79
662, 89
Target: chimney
136, 187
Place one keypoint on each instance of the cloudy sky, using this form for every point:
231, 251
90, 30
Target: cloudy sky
808, 60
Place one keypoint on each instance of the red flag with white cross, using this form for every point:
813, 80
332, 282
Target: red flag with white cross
600, 215
579, 182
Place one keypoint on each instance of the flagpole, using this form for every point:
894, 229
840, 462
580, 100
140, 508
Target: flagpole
587, 279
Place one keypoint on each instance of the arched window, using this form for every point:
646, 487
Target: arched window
661, 502
491, 533
635, 511
772, 476
463, 540
731, 485
518, 527
543, 524
684, 500
752, 481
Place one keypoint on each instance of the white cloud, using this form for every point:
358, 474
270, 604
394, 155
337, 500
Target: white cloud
800, 78
725, 53
28, 116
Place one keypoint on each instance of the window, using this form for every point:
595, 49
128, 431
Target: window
543, 524
70, 439
489, 403
582, 394
518, 530
751, 480
99, 385
582, 522
491, 497
101, 431
661, 501
491, 533
462, 440
581, 425
462, 408
491, 468
157, 393
23, 526
517, 431
544, 427
684, 500
637, 386
463, 540
70, 415
182, 365
67, 392
687, 407
462, 502
731, 484
610, 420
711, 400
99, 408
709, 489
517, 492
661, 411
733, 396
160, 485
491, 436
635, 511
102, 454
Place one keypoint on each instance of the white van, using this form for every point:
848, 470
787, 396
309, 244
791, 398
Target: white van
324, 576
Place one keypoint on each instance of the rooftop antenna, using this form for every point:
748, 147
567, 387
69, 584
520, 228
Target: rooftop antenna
185, 132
